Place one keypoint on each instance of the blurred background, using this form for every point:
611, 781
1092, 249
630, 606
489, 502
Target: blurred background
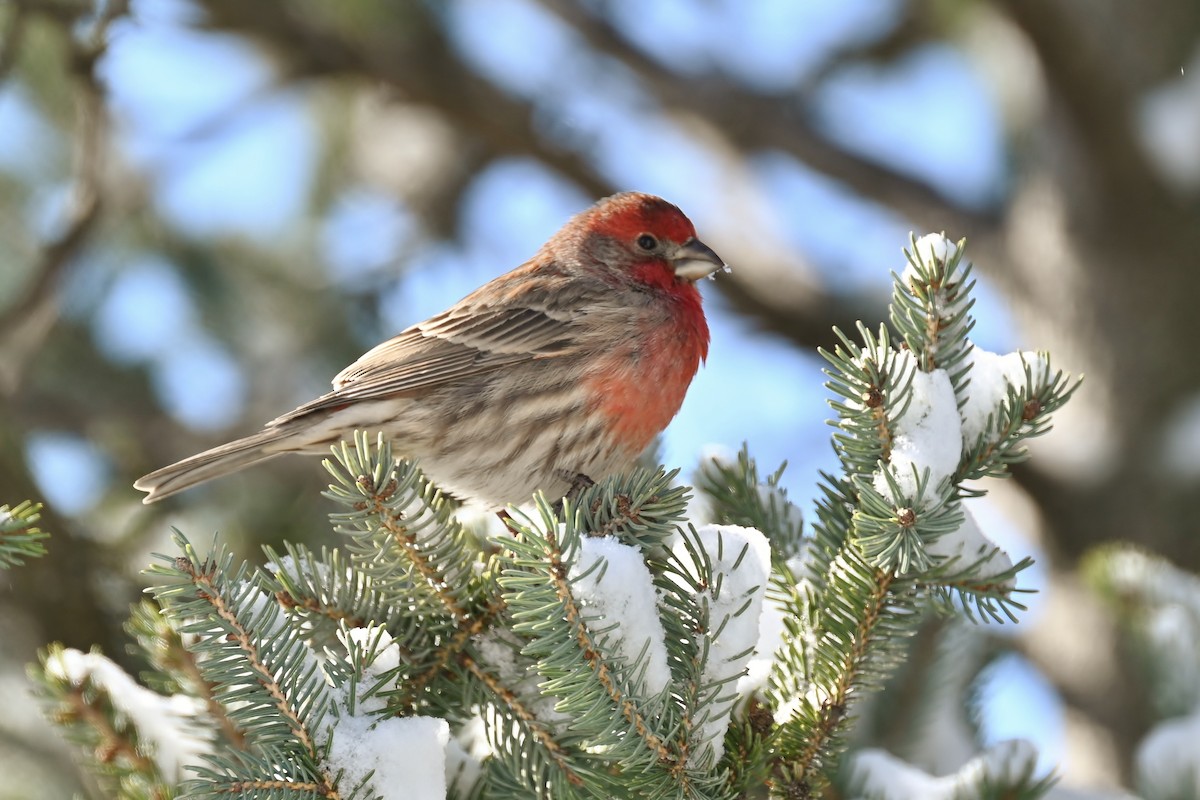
208, 207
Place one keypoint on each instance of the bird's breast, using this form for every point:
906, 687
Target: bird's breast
640, 382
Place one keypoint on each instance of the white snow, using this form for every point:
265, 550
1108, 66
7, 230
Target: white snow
166, 723
886, 777
991, 376
386, 656
406, 754
465, 754
789, 513
930, 247
881, 776
497, 650
741, 566
928, 436
770, 639
405, 757
969, 544
771, 629
620, 591
1168, 760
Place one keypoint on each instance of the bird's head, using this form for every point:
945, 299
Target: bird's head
647, 240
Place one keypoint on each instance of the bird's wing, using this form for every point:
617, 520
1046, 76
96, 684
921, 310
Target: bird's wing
456, 344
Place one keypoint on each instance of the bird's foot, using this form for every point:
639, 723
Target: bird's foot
579, 483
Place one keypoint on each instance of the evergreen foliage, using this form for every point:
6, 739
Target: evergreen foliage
19, 537
597, 646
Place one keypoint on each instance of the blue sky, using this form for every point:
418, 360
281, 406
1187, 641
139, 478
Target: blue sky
232, 154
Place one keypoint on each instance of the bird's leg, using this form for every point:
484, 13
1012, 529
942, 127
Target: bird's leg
579, 483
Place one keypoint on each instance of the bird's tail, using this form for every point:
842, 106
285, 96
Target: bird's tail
214, 463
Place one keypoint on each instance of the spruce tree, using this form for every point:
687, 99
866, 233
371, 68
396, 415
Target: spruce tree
644, 638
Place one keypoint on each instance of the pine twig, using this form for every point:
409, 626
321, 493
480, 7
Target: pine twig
591, 653
833, 708
513, 703
207, 590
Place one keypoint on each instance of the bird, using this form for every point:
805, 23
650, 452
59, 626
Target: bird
559, 372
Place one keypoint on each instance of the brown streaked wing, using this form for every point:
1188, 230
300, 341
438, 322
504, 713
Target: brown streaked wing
454, 345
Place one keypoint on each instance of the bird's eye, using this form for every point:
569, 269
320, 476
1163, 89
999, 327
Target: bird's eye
647, 242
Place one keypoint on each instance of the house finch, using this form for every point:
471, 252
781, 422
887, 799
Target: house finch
562, 370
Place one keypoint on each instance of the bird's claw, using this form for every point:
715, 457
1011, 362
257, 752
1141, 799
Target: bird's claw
579, 483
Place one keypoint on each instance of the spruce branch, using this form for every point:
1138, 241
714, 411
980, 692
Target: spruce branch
520, 769
892, 531
647, 735
455, 649
895, 536
536, 582
1024, 413
19, 537
398, 516
739, 497
412, 558
875, 387
831, 531
242, 636
324, 591
91, 716
418, 561
640, 508
269, 775
748, 757
862, 631
268, 682
512, 707
175, 667
976, 588
644, 510
931, 304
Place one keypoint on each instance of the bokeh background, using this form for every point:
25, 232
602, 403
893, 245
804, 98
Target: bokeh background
208, 207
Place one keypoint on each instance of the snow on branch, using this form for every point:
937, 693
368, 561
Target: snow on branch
1006, 770
623, 642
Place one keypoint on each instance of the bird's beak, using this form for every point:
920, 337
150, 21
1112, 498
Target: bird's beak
694, 260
